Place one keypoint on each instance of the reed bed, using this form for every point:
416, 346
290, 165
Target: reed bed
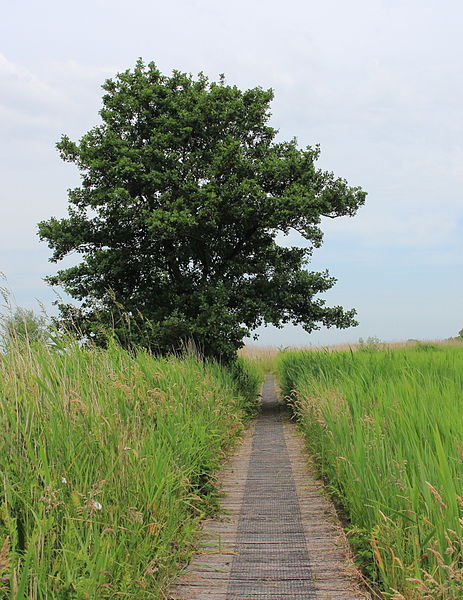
386, 430
107, 462
264, 358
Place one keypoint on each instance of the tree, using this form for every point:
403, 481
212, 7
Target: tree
23, 326
184, 190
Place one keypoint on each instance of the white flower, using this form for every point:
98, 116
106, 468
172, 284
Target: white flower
96, 505
64, 480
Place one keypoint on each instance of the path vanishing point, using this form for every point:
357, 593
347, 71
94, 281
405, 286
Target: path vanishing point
279, 538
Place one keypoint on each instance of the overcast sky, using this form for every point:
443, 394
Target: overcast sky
378, 84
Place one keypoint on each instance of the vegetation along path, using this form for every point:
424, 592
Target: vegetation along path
280, 539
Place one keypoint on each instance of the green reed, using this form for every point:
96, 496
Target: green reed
107, 462
386, 430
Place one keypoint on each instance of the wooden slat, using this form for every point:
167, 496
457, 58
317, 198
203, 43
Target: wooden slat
279, 536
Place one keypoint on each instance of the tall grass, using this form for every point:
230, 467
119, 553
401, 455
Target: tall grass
386, 430
106, 463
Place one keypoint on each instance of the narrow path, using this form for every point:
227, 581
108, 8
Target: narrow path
280, 539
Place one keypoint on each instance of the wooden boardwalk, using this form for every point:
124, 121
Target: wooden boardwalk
279, 539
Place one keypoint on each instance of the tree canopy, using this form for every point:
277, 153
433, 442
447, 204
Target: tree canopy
184, 190
22, 325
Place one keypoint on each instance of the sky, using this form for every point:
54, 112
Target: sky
377, 83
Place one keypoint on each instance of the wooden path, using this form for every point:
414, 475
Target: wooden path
280, 539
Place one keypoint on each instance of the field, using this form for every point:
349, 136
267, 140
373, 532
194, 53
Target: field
385, 428
107, 462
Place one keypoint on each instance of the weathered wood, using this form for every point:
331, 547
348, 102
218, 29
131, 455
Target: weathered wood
279, 537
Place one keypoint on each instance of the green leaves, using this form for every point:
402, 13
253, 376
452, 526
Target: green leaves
183, 193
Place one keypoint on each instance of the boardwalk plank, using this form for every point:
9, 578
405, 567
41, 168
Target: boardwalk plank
279, 537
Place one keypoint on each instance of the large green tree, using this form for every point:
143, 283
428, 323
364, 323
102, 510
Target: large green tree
184, 190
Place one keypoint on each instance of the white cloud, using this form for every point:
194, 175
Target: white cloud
24, 91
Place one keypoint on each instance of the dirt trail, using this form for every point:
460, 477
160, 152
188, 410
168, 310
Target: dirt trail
280, 538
